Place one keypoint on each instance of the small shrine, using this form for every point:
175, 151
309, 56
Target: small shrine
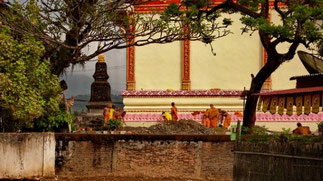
100, 88
100, 96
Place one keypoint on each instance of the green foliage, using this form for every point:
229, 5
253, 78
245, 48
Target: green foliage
260, 130
219, 129
27, 89
195, 3
172, 10
260, 135
227, 21
320, 126
114, 124
54, 121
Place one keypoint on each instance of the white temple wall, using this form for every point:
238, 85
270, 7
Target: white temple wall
158, 66
237, 56
184, 104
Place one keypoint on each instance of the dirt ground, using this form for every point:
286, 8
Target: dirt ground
175, 127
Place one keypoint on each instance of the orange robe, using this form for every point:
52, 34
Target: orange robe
302, 131
227, 122
174, 113
213, 116
206, 122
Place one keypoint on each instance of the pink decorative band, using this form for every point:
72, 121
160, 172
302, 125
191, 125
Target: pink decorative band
157, 93
261, 117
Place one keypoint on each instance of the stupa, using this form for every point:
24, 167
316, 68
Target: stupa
100, 88
100, 96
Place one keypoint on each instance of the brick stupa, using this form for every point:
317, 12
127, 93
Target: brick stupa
100, 88
100, 96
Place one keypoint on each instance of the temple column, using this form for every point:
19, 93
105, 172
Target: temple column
131, 83
268, 82
186, 78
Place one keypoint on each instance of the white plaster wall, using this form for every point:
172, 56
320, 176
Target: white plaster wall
183, 104
27, 155
237, 56
158, 67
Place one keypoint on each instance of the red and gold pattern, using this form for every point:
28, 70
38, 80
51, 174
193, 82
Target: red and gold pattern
260, 101
316, 103
273, 104
281, 105
307, 104
265, 105
299, 105
186, 79
131, 84
290, 104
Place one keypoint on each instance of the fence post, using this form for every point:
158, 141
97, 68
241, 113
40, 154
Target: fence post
238, 133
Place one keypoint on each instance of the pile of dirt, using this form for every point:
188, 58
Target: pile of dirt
173, 127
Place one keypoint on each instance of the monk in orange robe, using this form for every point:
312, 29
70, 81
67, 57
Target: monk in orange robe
213, 116
301, 130
238, 114
227, 120
206, 120
174, 112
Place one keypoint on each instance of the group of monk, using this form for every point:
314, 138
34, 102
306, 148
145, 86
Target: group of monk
172, 115
112, 112
213, 117
210, 118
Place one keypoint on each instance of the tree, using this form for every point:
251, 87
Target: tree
301, 24
70, 26
27, 88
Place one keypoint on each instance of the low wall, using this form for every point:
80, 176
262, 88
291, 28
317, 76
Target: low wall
176, 157
27, 155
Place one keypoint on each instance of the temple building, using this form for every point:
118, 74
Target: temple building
188, 74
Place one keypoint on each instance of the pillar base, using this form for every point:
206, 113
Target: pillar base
131, 85
186, 85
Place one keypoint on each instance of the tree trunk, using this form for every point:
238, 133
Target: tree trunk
249, 116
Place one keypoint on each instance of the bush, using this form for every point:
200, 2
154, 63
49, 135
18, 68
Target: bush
28, 90
114, 124
320, 126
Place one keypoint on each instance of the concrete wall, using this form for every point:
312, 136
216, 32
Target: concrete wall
94, 156
27, 155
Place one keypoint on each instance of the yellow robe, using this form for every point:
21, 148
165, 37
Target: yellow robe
167, 116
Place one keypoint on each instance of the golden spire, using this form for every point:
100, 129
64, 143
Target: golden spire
101, 55
101, 58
